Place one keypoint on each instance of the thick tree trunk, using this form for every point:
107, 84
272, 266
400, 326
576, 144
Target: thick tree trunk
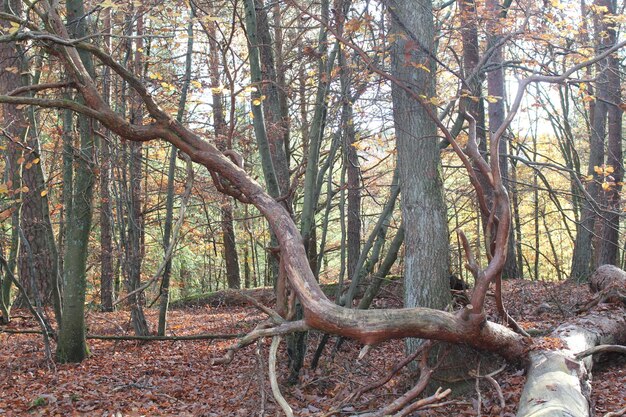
426, 240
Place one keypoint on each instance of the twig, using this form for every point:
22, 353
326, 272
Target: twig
428, 401
273, 381
496, 386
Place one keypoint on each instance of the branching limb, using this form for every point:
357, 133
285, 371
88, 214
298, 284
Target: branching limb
262, 330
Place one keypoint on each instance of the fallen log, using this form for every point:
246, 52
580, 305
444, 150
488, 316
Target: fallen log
607, 276
557, 381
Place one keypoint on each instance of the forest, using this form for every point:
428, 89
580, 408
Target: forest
312, 208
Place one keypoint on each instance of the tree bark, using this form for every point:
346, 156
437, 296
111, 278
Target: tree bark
423, 208
224, 142
72, 345
171, 176
106, 213
583, 250
135, 216
496, 110
609, 243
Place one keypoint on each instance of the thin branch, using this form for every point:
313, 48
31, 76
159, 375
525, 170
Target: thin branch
273, 379
601, 349
40, 87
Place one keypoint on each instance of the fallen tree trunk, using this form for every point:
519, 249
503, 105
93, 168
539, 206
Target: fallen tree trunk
607, 276
557, 382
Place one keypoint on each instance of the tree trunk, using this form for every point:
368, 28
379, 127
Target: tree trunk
583, 250
72, 345
495, 90
169, 202
135, 217
423, 208
224, 142
351, 157
14, 120
608, 251
106, 213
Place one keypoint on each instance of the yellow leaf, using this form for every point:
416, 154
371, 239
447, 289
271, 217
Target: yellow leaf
606, 186
4, 189
492, 99
14, 28
258, 101
12, 70
196, 83
44, 193
216, 90
35, 161
597, 169
25, 189
28, 165
420, 66
608, 170
106, 4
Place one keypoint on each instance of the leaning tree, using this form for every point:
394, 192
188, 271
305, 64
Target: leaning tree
468, 326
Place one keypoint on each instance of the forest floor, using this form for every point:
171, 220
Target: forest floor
174, 378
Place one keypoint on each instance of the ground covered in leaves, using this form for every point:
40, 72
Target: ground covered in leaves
174, 378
